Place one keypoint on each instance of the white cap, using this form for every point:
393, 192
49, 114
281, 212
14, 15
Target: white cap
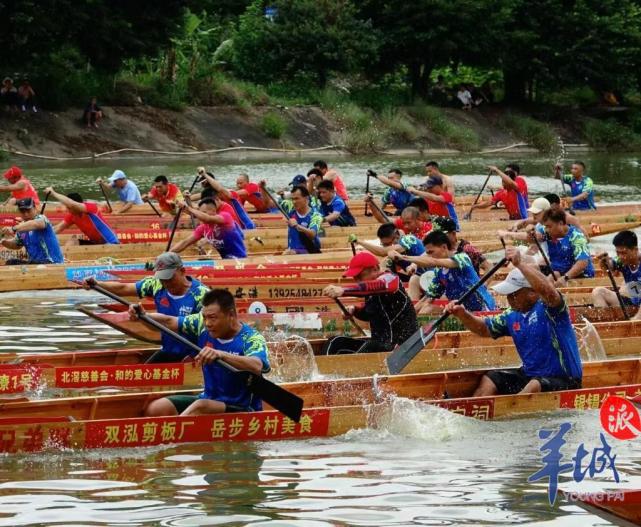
539, 205
118, 174
512, 283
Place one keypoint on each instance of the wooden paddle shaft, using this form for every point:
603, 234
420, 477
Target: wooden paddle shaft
616, 291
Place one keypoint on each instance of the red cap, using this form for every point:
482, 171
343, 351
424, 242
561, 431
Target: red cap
361, 261
14, 171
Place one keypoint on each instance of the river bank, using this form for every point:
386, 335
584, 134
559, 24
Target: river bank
233, 132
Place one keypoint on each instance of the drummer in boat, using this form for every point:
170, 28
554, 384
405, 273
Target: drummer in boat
174, 294
538, 321
627, 262
387, 307
221, 336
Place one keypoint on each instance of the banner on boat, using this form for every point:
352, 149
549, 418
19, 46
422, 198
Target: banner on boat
101, 272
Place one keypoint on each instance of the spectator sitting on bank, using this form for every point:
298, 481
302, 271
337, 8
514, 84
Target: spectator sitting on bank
93, 114
9, 94
465, 97
27, 96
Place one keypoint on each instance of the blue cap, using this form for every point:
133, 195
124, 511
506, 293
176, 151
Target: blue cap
118, 174
298, 180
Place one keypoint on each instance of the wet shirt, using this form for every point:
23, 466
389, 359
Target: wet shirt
338, 205
168, 201
566, 251
220, 383
226, 238
176, 306
41, 244
579, 187
515, 201
632, 279
454, 283
398, 198
544, 339
92, 224
312, 220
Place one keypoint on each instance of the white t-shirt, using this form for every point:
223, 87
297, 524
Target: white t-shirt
464, 96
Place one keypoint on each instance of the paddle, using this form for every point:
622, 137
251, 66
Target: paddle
468, 216
350, 317
152, 207
173, 229
557, 169
380, 211
285, 402
42, 209
369, 171
615, 287
102, 189
545, 256
305, 240
403, 354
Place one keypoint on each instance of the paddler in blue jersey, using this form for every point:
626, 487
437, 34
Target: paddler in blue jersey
220, 335
581, 186
174, 293
538, 320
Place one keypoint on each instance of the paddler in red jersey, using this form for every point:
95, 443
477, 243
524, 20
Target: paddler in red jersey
19, 186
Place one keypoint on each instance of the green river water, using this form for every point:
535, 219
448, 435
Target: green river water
423, 466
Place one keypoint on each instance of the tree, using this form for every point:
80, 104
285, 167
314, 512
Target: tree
316, 37
426, 34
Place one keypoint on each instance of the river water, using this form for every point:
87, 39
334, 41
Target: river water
422, 466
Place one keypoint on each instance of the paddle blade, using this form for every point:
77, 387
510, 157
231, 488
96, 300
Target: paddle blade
467, 216
403, 354
285, 402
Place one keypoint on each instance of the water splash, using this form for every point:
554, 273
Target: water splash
590, 345
291, 357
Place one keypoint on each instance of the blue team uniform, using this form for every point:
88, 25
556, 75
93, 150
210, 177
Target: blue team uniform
413, 247
579, 187
221, 384
312, 220
566, 251
632, 279
338, 205
399, 198
453, 283
189, 303
544, 339
42, 244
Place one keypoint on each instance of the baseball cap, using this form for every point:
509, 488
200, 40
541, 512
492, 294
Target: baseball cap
444, 224
25, 204
118, 174
539, 205
512, 283
14, 171
433, 181
166, 265
299, 179
360, 261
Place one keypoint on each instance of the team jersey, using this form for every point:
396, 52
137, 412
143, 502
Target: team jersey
312, 220
226, 238
238, 212
339, 185
233, 211
445, 209
254, 196
453, 283
412, 247
579, 187
191, 302
566, 251
129, 193
168, 201
220, 383
288, 205
544, 339
476, 256
92, 224
424, 227
399, 198
338, 205
515, 201
42, 244
27, 192
632, 279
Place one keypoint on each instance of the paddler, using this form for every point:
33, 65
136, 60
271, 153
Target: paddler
126, 189
84, 215
538, 321
395, 194
478, 259
174, 293
252, 193
221, 336
304, 224
538, 207
167, 194
333, 175
217, 227
454, 274
410, 221
432, 169
627, 262
514, 194
581, 186
387, 308
391, 239
230, 199
35, 233
333, 208
19, 187
439, 201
